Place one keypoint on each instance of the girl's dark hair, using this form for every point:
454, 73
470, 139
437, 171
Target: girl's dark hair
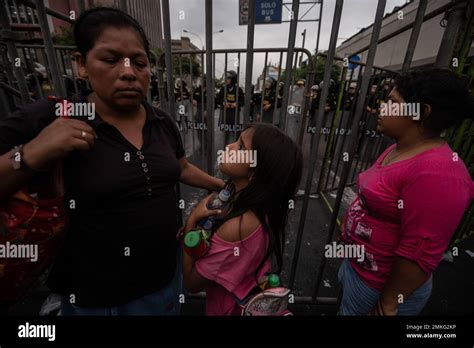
274, 183
446, 93
91, 22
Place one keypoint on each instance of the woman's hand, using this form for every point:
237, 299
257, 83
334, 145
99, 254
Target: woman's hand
382, 309
200, 212
56, 140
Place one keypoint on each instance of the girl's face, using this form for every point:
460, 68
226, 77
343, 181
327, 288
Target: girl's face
117, 68
237, 171
394, 126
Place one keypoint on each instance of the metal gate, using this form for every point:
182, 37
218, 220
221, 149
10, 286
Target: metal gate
337, 144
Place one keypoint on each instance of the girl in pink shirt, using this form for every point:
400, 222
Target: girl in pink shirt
253, 229
409, 202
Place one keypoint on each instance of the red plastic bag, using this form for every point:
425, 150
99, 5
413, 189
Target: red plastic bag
31, 231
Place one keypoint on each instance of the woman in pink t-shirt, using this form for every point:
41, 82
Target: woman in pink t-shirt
253, 229
410, 201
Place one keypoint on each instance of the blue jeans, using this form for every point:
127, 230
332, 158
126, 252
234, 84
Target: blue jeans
162, 302
359, 299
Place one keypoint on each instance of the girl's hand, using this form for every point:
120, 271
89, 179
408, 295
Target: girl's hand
200, 212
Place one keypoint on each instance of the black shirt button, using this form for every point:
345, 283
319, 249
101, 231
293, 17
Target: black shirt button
144, 165
141, 157
145, 170
139, 153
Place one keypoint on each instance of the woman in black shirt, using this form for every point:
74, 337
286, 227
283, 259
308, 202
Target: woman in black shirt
121, 164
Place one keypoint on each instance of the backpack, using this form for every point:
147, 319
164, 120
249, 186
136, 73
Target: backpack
263, 301
269, 302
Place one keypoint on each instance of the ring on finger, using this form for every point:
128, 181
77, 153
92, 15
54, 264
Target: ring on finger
83, 134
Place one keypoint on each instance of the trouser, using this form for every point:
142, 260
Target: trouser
163, 302
359, 299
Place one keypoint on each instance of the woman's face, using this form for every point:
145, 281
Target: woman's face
238, 170
117, 68
394, 126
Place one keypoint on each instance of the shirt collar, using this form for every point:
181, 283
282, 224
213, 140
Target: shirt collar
151, 114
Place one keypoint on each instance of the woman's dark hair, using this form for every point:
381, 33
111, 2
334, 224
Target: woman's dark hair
91, 22
274, 183
446, 93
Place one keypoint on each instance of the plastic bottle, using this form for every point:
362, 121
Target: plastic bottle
196, 243
269, 280
219, 201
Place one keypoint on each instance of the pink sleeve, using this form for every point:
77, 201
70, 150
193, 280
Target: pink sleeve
433, 206
232, 265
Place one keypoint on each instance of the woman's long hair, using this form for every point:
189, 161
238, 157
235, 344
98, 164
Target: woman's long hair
274, 183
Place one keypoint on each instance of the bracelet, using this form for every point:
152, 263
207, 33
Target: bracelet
18, 161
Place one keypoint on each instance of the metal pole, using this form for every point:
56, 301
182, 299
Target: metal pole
58, 82
449, 40
306, 97
355, 130
17, 70
319, 27
415, 33
160, 25
168, 58
315, 137
210, 88
249, 61
289, 62
302, 46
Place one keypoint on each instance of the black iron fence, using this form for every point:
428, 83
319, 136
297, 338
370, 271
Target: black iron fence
336, 128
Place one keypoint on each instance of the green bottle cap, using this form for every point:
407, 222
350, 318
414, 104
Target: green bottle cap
192, 239
273, 280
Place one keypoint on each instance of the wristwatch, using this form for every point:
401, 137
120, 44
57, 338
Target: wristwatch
18, 162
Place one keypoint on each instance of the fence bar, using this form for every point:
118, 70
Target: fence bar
209, 87
306, 97
355, 130
237, 113
449, 40
315, 137
415, 33
249, 61
168, 60
58, 83
262, 95
289, 61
